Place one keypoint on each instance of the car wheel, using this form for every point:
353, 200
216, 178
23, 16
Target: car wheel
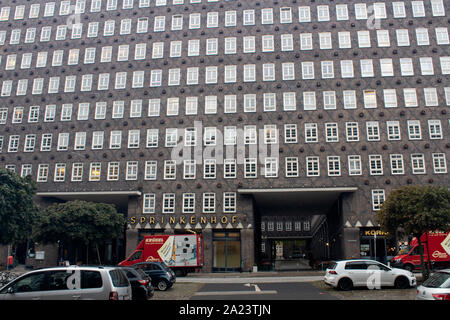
345, 284
162, 285
401, 283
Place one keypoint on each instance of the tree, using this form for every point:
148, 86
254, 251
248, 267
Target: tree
17, 209
79, 222
417, 210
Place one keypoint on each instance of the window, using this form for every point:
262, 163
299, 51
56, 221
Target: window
311, 133
271, 167
60, 172
398, 9
63, 141
393, 130
418, 9
115, 140
190, 136
435, 129
345, 40
132, 170
426, 66
148, 205
170, 169
168, 203
312, 166
437, 8
189, 169
375, 164
229, 168
309, 100
250, 168
30, 142
97, 140
229, 202
334, 168
249, 17
354, 165
291, 166
323, 13
290, 133
439, 163
42, 172
370, 99
331, 132
373, 131
77, 172
414, 131
397, 167
304, 14
418, 163
94, 171
188, 202
209, 202
194, 21
270, 134
378, 197
150, 170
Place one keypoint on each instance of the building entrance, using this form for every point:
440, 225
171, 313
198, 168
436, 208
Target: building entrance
291, 254
226, 251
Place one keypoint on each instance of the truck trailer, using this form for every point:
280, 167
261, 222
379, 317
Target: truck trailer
182, 253
433, 243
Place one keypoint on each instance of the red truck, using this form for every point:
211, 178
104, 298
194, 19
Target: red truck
409, 257
183, 253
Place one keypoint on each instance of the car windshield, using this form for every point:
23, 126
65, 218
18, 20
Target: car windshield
405, 250
436, 280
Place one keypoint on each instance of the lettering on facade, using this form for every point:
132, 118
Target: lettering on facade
182, 220
377, 232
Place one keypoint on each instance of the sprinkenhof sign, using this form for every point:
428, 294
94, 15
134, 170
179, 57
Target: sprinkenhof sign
203, 220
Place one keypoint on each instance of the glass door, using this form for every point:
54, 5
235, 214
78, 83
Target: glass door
226, 251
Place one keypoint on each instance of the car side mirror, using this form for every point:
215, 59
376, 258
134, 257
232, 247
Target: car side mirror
10, 290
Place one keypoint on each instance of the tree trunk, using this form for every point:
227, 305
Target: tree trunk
98, 254
422, 264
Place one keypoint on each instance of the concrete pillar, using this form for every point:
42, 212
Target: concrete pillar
351, 248
207, 250
132, 241
247, 249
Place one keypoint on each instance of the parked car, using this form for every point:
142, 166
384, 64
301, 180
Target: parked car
162, 276
69, 283
436, 287
347, 274
141, 284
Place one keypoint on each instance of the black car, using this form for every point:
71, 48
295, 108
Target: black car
162, 276
141, 284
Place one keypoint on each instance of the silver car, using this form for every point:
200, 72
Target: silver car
69, 283
436, 287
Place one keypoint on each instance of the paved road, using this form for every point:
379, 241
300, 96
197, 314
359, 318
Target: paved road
261, 291
239, 279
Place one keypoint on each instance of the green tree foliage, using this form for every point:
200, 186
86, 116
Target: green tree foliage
417, 210
79, 221
17, 209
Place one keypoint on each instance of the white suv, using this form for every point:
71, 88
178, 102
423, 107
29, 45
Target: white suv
69, 283
347, 274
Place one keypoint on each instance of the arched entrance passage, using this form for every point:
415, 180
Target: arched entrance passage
292, 230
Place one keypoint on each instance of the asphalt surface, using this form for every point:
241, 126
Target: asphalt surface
261, 291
